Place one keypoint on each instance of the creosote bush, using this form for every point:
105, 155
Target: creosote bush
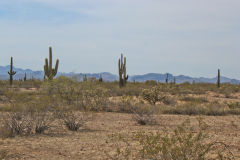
185, 143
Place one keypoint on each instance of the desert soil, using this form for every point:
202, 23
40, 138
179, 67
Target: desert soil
92, 141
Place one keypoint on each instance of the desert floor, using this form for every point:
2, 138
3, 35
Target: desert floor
93, 142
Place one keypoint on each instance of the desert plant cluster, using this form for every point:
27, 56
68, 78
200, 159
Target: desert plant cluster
131, 120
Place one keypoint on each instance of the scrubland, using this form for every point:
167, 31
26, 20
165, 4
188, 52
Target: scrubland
67, 119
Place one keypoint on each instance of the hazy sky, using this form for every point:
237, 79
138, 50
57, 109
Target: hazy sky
190, 37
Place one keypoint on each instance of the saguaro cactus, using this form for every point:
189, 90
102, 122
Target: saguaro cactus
85, 78
218, 79
100, 79
11, 72
167, 78
25, 77
49, 71
174, 80
123, 77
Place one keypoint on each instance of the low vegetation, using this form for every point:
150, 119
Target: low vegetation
35, 107
186, 142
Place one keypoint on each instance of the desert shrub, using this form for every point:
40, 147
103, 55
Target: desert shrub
151, 82
197, 88
153, 95
194, 99
182, 144
18, 123
94, 99
3, 87
216, 110
31, 83
143, 114
67, 89
185, 143
131, 89
234, 108
26, 122
227, 88
234, 105
186, 109
3, 152
169, 101
234, 111
125, 105
73, 121
85, 95
12, 97
213, 109
42, 121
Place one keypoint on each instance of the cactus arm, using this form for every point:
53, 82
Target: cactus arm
46, 65
50, 57
56, 68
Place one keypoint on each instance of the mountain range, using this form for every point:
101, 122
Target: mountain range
112, 77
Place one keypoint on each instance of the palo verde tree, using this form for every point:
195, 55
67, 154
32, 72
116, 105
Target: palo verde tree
48, 70
11, 72
123, 77
218, 79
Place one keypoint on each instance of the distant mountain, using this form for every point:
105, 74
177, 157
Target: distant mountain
111, 77
181, 78
20, 73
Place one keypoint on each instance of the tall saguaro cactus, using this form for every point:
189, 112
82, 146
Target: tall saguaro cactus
123, 77
11, 72
49, 71
218, 79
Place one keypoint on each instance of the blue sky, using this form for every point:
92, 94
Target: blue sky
190, 37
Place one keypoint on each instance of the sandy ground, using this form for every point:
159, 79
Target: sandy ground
92, 141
